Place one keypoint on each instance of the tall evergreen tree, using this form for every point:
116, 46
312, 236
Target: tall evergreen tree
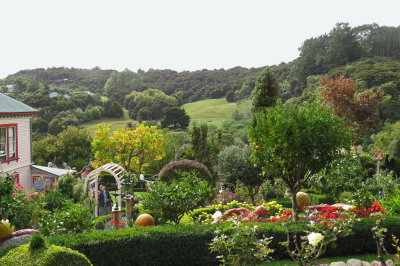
265, 93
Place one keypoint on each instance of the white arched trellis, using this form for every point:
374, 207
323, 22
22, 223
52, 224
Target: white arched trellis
116, 170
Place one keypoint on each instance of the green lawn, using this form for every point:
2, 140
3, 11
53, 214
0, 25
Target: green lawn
116, 123
212, 111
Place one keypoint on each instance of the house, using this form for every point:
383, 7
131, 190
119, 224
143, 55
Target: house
53, 94
15, 139
46, 178
16, 151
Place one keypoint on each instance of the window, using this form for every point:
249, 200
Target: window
8, 143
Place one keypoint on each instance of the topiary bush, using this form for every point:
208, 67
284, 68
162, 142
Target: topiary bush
168, 172
37, 242
45, 256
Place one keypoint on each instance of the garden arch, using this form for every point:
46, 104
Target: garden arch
116, 170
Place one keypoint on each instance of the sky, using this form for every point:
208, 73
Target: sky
171, 34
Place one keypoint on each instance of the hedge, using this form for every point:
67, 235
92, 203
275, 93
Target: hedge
188, 244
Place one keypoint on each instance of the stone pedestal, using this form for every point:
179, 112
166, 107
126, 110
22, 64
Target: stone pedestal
116, 213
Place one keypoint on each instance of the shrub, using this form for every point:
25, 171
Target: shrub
37, 242
173, 200
14, 204
72, 218
168, 172
52, 255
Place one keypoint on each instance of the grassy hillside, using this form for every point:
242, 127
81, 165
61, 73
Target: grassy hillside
116, 123
212, 111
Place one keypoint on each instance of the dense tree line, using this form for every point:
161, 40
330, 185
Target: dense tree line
93, 79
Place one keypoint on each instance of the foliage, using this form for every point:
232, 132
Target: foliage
320, 235
388, 142
122, 83
133, 149
204, 215
65, 185
293, 142
206, 145
113, 109
265, 93
242, 246
73, 217
149, 104
14, 204
169, 171
72, 146
234, 166
37, 241
179, 197
357, 108
175, 117
51, 255
343, 174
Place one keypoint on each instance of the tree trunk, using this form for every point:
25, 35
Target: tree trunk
294, 204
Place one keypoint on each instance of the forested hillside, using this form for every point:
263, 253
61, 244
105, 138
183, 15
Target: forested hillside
70, 96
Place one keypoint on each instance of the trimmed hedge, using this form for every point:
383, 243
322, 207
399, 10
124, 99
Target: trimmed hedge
45, 256
188, 244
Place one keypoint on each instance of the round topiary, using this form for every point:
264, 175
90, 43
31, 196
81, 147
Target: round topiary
168, 172
37, 241
303, 200
51, 255
144, 220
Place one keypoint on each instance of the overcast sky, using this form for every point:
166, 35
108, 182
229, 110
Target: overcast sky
173, 34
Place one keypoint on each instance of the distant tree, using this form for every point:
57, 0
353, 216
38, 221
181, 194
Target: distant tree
55, 126
230, 96
120, 84
291, 141
266, 91
71, 146
40, 125
113, 109
176, 117
133, 149
205, 145
234, 166
357, 108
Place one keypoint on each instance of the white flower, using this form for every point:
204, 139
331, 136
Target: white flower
315, 238
217, 215
348, 207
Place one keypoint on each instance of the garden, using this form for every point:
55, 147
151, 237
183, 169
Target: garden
309, 184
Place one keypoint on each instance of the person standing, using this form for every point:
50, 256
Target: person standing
104, 201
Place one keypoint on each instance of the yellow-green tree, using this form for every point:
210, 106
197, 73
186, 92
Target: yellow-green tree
131, 148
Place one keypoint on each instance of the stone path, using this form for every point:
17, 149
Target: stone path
356, 262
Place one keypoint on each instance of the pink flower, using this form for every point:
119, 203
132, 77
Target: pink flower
14, 194
19, 186
31, 195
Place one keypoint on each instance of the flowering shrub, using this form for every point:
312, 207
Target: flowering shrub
315, 238
241, 247
14, 205
320, 233
204, 215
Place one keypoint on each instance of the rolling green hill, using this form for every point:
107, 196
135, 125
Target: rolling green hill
212, 111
